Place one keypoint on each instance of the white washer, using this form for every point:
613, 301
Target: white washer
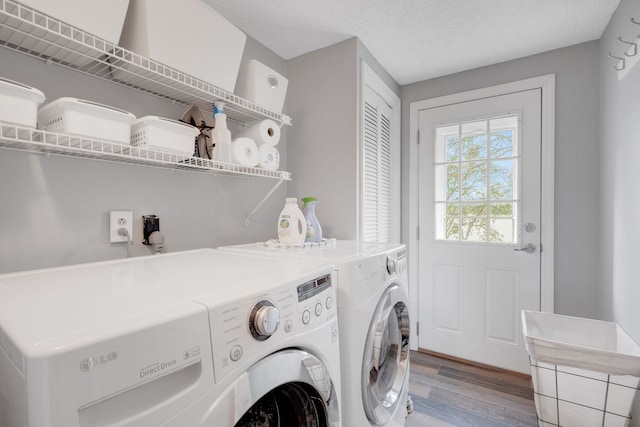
374, 326
184, 339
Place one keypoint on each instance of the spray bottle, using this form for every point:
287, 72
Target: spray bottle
221, 135
314, 231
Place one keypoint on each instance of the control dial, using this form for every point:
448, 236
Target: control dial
264, 320
391, 265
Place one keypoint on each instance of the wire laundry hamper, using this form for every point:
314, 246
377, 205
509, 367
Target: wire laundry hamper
585, 372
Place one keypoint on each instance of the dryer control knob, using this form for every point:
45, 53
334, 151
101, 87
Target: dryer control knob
391, 265
267, 320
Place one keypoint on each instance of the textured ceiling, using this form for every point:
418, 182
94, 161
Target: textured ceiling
416, 40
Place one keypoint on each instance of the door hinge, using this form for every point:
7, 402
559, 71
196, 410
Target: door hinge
418, 233
418, 137
417, 328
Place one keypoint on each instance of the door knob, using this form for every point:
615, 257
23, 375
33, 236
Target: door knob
528, 248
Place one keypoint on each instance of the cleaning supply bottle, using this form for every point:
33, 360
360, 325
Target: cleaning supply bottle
221, 135
291, 223
314, 231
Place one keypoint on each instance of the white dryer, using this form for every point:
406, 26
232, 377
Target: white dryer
374, 326
183, 339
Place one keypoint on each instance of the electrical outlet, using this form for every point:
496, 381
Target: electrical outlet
118, 220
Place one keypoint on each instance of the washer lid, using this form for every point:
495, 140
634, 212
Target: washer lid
385, 364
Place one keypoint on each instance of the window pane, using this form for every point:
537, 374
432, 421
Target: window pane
474, 209
501, 210
502, 230
447, 221
447, 143
474, 229
502, 136
452, 228
447, 182
474, 181
474, 140
501, 183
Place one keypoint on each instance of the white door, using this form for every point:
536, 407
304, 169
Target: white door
479, 217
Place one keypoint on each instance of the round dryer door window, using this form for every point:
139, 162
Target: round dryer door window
386, 357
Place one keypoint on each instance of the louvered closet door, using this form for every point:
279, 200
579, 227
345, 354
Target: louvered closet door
376, 169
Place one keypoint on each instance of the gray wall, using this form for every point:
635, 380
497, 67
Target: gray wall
619, 178
54, 210
576, 156
324, 99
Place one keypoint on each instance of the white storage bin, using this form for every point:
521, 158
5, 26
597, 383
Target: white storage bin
585, 372
19, 103
187, 35
165, 134
86, 118
262, 86
100, 18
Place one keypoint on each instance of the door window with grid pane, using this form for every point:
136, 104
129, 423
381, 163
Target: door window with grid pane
476, 180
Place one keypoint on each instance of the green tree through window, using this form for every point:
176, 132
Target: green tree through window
476, 180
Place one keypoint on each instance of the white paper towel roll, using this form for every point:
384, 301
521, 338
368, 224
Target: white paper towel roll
245, 152
269, 157
265, 132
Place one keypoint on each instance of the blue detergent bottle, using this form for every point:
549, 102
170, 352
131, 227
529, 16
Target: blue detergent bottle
314, 231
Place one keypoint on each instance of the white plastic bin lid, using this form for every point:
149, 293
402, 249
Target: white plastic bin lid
577, 342
21, 89
168, 124
68, 103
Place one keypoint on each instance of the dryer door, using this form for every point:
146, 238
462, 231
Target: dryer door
288, 388
385, 365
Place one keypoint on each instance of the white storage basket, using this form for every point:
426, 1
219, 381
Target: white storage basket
86, 118
187, 35
19, 103
585, 372
164, 134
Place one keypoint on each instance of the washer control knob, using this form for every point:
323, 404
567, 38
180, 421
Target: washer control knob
264, 320
391, 265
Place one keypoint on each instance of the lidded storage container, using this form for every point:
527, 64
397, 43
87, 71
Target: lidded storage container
86, 118
19, 103
187, 35
262, 86
164, 134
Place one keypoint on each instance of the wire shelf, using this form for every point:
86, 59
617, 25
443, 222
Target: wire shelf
39, 141
28, 31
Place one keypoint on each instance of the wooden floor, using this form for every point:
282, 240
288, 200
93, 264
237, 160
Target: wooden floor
450, 393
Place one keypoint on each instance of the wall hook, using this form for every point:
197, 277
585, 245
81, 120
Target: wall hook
619, 59
633, 44
634, 21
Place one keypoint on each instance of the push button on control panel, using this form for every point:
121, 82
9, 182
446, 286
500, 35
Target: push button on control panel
288, 326
318, 309
306, 317
236, 353
329, 303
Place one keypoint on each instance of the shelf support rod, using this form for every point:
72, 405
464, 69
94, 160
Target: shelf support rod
264, 199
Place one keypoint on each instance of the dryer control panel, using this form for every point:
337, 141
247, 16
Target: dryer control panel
251, 327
